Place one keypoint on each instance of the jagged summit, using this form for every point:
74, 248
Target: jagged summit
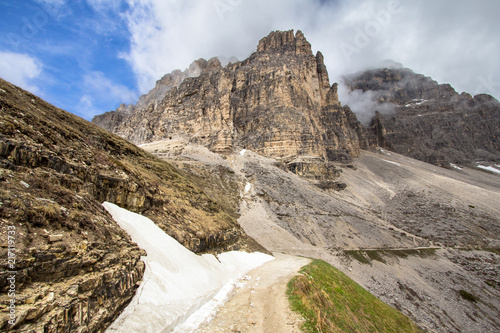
285, 42
278, 102
430, 121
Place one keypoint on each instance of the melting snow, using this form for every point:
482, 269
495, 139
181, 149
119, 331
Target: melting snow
383, 151
395, 163
248, 186
455, 166
180, 289
242, 152
489, 168
416, 102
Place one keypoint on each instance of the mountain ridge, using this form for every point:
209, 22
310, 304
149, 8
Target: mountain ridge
278, 102
429, 121
282, 81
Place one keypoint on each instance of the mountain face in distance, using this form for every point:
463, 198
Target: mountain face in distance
429, 121
278, 102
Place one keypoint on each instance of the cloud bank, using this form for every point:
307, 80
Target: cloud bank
453, 41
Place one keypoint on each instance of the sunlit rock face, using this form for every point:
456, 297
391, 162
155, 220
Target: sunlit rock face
278, 102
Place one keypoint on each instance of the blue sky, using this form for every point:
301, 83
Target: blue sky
89, 56
71, 54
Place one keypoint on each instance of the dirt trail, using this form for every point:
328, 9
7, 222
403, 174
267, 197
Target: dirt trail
259, 303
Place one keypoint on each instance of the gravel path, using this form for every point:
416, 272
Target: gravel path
260, 304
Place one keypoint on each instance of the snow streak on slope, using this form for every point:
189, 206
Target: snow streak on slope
176, 283
489, 168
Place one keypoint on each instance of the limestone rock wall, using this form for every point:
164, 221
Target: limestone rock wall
278, 102
430, 121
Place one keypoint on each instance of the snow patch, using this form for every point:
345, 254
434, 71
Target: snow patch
489, 168
383, 151
395, 163
179, 288
455, 166
248, 186
416, 102
242, 152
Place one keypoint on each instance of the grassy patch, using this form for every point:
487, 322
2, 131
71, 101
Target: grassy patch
331, 302
423, 253
375, 255
359, 256
367, 256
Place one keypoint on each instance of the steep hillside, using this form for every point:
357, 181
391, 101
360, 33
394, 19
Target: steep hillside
278, 102
74, 266
430, 121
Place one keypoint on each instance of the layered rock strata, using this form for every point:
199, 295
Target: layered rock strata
74, 267
430, 121
278, 102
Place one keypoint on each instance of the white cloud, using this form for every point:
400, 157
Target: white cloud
364, 103
168, 35
454, 42
20, 69
98, 83
98, 90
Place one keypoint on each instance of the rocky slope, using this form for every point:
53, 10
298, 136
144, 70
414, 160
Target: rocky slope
75, 268
278, 102
430, 121
421, 238
417, 236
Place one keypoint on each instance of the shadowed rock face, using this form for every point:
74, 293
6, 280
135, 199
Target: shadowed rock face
430, 121
75, 267
278, 102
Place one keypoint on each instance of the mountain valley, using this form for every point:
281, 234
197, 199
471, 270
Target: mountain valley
258, 155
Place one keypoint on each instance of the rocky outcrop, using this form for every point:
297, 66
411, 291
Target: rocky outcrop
111, 120
74, 268
430, 121
278, 102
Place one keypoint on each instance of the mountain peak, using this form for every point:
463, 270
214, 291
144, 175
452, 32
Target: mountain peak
285, 42
278, 103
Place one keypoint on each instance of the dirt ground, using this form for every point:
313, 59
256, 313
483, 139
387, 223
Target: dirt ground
259, 303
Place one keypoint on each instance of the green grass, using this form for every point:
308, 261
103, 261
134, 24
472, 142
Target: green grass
367, 256
331, 302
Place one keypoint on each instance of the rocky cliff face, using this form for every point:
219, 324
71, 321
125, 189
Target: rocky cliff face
278, 102
75, 268
430, 121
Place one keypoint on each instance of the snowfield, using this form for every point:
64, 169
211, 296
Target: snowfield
180, 289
